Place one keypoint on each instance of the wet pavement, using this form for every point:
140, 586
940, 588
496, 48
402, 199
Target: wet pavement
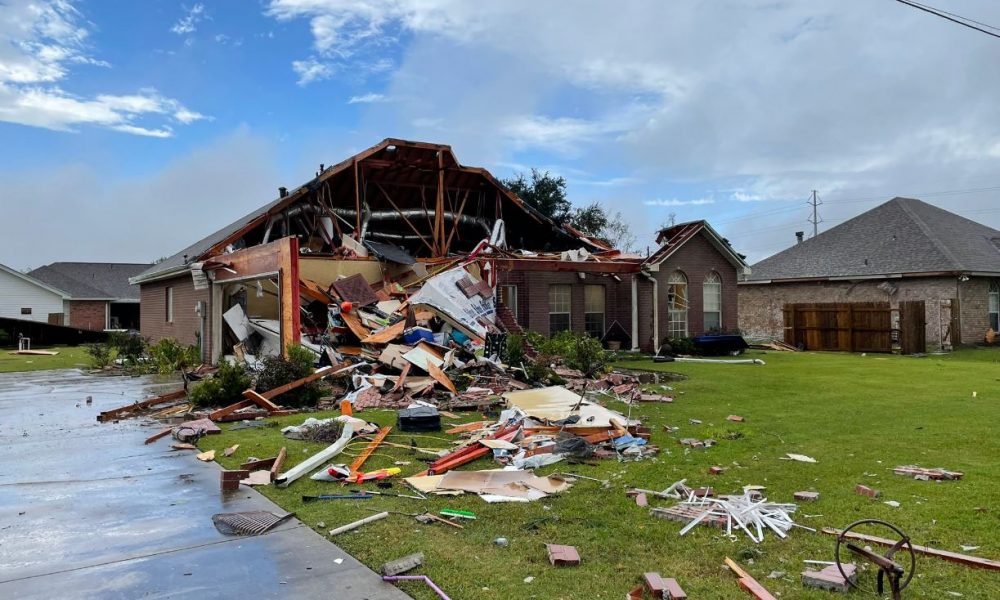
88, 511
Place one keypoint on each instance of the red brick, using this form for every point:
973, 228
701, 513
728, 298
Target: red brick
735, 418
640, 499
716, 470
563, 556
806, 496
655, 584
864, 490
674, 591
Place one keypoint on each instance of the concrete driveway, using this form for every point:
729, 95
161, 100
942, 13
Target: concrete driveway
88, 511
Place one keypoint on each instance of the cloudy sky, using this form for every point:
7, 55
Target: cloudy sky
130, 130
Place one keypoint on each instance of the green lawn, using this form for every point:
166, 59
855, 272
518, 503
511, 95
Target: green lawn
857, 415
68, 358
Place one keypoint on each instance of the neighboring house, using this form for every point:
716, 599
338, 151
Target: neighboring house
28, 299
97, 296
400, 209
691, 279
902, 250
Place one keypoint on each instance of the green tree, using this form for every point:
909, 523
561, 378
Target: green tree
544, 191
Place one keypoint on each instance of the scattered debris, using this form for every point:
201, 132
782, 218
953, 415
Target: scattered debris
806, 496
927, 474
248, 523
402, 565
969, 561
864, 490
206, 456
359, 523
735, 418
748, 583
660, 587
230, 450
423, 578
799, 458
563, 556
230, 480
732, 513
830, 578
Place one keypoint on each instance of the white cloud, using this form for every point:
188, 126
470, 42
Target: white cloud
39, 44
368, 98
675, 202
188, 24
311, 70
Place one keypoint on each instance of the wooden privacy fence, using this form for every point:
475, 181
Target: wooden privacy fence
912, 327
845, 327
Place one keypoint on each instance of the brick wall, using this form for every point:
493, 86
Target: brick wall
88, 314
186, 323
697, 259
760, 306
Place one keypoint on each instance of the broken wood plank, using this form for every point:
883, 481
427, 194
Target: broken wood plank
440, 377
281, 389
964, 559
401, 378
257, 465
158, 435
261, 401
225, 411
386, 334
354, 324
230, 450
748, 583
355, 466
279, 462
474, 426
122, 410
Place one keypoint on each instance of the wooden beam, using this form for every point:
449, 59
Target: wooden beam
748, 583
281, 389
261, 401
222, 412
964, 559
117, 412
439, 209
385, 335
355, 466
279, 461
291, 326
405, 219
554, 265
357, 203
458, 219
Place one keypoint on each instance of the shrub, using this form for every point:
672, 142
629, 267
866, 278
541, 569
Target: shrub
130, 347
578, 350
278, 371
101, 355
678, 346
225, 387
516, 350
169, 355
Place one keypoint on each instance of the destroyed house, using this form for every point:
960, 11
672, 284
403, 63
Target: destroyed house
397, 231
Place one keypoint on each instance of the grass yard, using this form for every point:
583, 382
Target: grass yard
68, 358
859, 416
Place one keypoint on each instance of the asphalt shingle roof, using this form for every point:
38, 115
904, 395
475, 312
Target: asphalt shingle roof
104, 281
904, 235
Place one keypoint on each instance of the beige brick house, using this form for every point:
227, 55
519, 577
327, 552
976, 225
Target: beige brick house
904, 249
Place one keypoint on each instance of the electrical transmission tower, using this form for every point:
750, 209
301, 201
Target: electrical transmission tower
815, 202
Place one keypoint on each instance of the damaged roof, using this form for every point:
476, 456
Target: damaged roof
673, 238
395, 182
901, 236
92, 281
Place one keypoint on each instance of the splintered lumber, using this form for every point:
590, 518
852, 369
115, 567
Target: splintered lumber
115, 413
354, 324
469, 453
473, 426
281, 389
964, 559
158, 435
226, 411
748, 583
385, 335
279, 461
439, 376
261, 401
401, 378
369, 449
927, 474
257, 465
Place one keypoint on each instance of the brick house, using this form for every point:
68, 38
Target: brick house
691, 279
96, 296
400, 209
902, 250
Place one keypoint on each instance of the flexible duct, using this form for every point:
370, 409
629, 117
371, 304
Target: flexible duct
378, 215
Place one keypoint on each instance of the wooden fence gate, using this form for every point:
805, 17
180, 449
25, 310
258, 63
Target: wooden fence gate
912, 327
844, 327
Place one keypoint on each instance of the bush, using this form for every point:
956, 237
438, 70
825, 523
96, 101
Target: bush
224, 388
130, 347
169, 355
101, 355
578, 350
278, 371
678, 346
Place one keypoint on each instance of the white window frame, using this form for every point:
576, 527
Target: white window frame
587, 312
511, 293
993, 305
677, 305
169, 299
561, 306
712, 286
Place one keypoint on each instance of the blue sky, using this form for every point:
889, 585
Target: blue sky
131, 129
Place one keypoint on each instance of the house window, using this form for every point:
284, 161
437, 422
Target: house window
712, 301
677, 305
593, 310
26, 311
559, 308
170, 305
994, 305
508, 297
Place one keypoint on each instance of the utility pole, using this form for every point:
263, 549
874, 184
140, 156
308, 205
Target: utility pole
815, 202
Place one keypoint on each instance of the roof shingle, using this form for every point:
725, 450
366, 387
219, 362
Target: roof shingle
95, 281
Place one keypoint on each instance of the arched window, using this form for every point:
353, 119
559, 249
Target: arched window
993, 305
712, 301
677, 305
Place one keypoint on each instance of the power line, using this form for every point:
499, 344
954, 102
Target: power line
944, 12
966, 22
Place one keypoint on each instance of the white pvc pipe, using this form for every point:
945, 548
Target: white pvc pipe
317, 459
719, 361
635, 313
356, 524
